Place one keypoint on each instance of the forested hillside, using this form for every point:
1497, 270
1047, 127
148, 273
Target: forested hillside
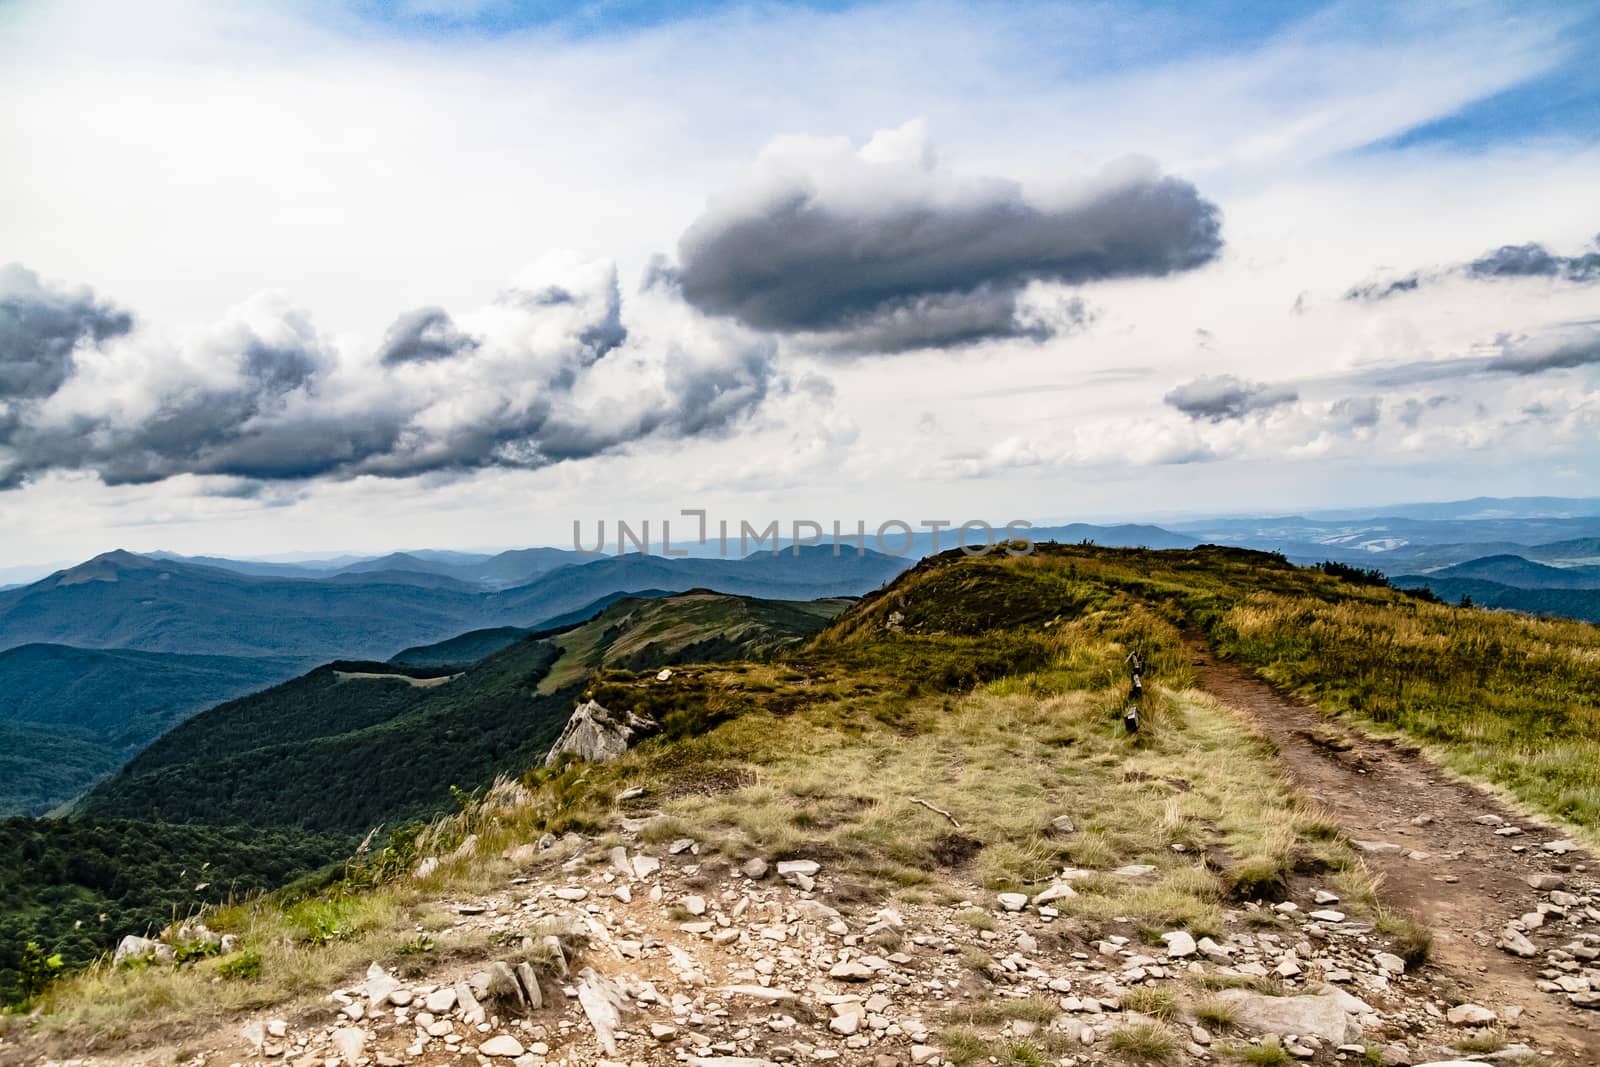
350, 746
76, 886
70, 715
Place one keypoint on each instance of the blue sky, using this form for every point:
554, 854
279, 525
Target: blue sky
380, 276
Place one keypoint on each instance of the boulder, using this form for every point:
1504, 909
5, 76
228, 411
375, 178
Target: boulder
596, 734
134, 948
1320, 1016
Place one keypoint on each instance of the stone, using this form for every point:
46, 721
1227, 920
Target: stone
440, 1001
851, 971
1062, 824
1180, 944
1470, 1015
1319, 1016
133, 947
1326, 916
596, 734
600, 1002
663, 1031
1322, 898
1544, 883
798, 868
1488, 820
1135, 870
380, 986
1389, 963
503, 1045
1012, 901
572, 893
755, 869
645, 866
1513, 941
1059, 891
351, 1044
694, 905
529, 980
1559, 848
680, 846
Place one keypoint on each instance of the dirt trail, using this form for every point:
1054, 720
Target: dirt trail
1452, 873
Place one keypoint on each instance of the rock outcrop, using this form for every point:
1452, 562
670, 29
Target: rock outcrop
597, 734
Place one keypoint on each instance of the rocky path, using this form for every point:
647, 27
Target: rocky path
1513, 906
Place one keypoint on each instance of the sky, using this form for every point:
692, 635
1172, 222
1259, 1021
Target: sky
457, 273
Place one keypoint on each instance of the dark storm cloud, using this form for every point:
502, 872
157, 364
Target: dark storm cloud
260, 399
1531, 260
912, 259
1535, 261
40, 328
1538, 355
1222, 397
422, 335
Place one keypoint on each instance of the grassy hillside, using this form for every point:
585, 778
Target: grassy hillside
346, 748
695, 627
70, 715
991, 689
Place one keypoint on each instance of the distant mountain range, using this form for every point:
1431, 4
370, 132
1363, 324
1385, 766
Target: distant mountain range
159, 637
122, 600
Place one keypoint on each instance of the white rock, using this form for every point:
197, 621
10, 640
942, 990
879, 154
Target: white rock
1470, 1015
1180, 944
502, 1045
1013, 901
1389, 963
351, 1044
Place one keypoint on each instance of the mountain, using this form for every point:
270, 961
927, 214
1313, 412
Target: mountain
122, 600
1580, 604
1482, 507
945, 750
350, 746
1515, 571
475, 645
70, 715
507, 569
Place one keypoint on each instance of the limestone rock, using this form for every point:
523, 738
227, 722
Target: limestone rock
1321, 1016
502, 1045
1470, 1015
596, 734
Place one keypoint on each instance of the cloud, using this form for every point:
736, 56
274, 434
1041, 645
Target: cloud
1356, 412
42, 325
424, 334
546, 372
1223, 397
1564, 350
1531, 260
881, 250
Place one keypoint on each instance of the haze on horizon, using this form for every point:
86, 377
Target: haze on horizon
454, 274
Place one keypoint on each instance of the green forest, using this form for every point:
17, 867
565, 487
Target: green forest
76, 886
